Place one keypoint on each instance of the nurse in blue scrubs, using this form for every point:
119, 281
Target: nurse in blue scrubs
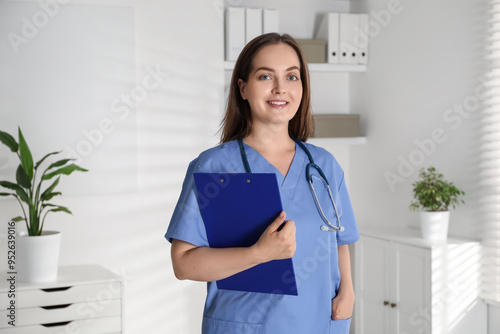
269, 104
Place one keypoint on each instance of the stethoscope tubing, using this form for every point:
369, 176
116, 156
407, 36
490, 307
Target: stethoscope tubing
329, 226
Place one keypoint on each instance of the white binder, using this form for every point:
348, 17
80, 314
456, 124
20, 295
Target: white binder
253, 23
235, 32
329, 31
349, 27
362, 38
270, 20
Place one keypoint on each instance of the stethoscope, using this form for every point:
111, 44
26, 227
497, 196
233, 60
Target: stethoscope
329, 226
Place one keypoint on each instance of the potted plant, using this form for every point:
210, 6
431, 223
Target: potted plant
432, 197
37, 250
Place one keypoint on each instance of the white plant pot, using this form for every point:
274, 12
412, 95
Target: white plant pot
434, 225
38, 256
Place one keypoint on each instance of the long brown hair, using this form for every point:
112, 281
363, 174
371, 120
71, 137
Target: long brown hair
237, 122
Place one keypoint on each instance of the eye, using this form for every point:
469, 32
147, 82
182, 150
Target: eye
264, 77
293, 77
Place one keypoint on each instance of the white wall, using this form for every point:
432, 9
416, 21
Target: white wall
424, 61
493, 318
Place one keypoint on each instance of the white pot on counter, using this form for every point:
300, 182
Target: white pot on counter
38, 256
434, 225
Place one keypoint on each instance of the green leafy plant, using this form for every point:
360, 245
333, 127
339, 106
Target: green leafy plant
28, 189
433, 193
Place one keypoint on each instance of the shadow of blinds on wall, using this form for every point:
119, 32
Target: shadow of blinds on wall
489, 160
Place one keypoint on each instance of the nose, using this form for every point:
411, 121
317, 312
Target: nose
279, 87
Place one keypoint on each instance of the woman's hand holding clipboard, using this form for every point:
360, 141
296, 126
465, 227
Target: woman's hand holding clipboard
278, 240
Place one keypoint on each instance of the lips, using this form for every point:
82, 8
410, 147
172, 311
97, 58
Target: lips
277, 103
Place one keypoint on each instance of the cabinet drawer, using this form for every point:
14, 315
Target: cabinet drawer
60, 313
93, 326
63, 295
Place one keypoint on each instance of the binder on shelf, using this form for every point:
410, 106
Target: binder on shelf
253, 21
270, 20
329, 31
362, 38
236, 209
234, 32
349, 28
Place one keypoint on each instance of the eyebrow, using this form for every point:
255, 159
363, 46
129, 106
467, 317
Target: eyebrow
263, 68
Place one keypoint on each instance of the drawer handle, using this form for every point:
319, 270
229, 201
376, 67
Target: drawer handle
63, 288
53, 307
56, 324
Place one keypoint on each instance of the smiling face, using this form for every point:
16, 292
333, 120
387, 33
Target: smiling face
274, 86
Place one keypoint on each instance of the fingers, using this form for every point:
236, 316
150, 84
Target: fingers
289, 227
277, 243
340, 308
336, 312
280, 224
287, 239
335, 309
275, 225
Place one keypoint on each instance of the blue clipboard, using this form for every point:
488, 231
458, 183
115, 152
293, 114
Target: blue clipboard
236, 209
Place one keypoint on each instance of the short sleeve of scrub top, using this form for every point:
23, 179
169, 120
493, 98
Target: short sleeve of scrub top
347, 219
187, 223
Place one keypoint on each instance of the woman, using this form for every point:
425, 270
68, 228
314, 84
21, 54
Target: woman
269, 105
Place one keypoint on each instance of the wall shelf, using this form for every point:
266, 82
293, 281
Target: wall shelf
317, 67
338, 141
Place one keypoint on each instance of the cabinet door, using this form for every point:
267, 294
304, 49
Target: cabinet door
411, 294
373, 263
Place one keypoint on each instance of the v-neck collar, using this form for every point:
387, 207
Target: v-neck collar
259, 164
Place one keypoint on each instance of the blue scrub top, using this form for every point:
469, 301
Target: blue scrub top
315, 260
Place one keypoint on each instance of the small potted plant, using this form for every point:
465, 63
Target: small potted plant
432, 197
37, 250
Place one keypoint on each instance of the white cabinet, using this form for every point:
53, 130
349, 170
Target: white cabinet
405, 285
84, 299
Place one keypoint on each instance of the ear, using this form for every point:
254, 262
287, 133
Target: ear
242, 84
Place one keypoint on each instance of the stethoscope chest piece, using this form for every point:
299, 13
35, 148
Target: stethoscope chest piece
325, 228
